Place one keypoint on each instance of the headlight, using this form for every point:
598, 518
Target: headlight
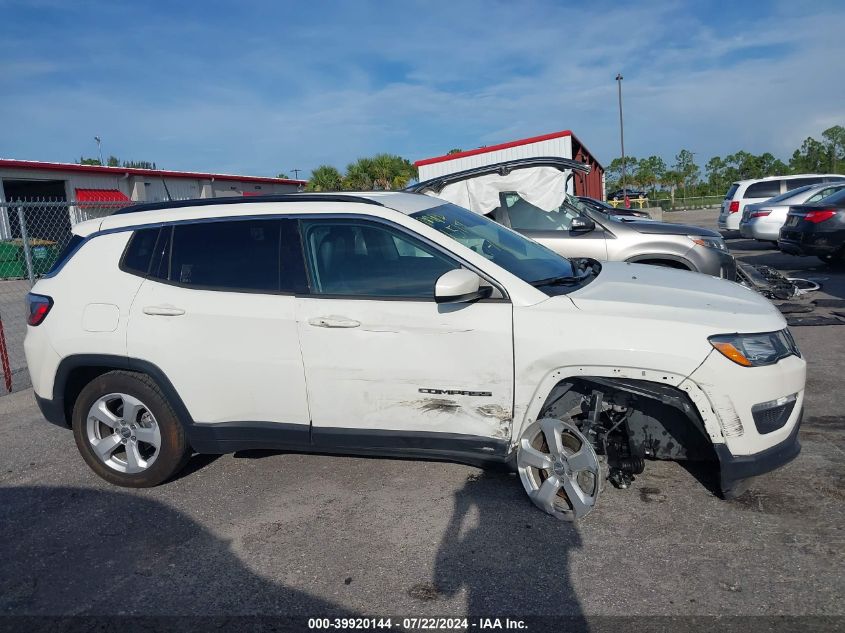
755, 350
709, 242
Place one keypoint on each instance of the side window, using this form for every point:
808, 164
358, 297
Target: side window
524, 216
794, 183
765, 189
234, 255
824, 193
370, 260
139, 251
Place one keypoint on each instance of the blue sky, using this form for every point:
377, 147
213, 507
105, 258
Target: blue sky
259, 87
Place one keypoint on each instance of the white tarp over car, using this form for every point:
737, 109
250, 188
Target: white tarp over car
544, 187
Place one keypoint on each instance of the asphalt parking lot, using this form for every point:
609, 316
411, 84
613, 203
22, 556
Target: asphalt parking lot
275, 533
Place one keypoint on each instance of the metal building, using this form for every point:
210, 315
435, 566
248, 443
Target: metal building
560, 144
75, 185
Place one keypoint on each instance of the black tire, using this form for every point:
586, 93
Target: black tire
174, 450
836, 259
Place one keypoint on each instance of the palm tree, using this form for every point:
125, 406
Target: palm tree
325, 178
359, 175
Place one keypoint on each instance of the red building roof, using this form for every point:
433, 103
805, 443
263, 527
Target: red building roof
120, 171
493, 148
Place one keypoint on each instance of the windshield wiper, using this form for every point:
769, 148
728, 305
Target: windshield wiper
560, 281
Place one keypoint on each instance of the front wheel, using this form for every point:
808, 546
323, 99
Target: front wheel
127, 432
559, 469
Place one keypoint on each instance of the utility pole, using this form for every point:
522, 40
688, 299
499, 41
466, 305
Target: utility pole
622, 140
296, 173
99, 149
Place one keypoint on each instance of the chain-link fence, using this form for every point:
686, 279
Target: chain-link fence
33, 233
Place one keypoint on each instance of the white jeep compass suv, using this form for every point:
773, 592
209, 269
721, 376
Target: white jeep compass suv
397, 324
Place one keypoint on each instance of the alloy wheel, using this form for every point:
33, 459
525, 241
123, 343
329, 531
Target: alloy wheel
123, 433
559, 469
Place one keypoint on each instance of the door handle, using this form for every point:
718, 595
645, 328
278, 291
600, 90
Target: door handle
163, 311
333, 321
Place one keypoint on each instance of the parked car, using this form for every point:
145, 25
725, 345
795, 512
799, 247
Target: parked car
421, 329
574, 232
608, 209
816, 229
745, 192
619, 194
763, 221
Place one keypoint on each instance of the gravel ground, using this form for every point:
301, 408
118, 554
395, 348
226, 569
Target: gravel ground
276, 533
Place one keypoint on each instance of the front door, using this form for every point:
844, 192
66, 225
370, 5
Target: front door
386, 366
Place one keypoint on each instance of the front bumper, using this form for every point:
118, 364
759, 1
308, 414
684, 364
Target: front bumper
735, 469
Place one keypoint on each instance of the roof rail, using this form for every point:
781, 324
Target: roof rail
278, 197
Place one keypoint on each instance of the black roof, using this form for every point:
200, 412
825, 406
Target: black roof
278, 197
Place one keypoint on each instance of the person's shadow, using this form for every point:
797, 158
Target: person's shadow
508, 556
84, 552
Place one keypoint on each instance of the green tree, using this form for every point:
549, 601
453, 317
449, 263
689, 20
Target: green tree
648, 172
809, 158
454, 151
283, 176
834, 141
89, 161
359, 175
613, 174
325, 178
672, 179
686, 167
113, 161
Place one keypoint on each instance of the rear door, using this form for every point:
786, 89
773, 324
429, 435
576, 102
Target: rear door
216, 315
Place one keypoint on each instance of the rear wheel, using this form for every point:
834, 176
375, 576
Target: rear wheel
127, 432
834, 259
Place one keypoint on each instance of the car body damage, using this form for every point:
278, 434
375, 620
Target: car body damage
416, 328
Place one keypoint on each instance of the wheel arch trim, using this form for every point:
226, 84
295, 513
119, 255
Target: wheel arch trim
77, 361
702, 403
636, 259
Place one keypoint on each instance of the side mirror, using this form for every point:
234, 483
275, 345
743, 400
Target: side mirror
459, 286
582, 225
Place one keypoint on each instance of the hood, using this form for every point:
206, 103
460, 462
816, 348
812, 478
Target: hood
666, 294
667, 228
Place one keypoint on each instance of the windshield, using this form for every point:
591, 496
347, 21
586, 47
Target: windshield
520, 256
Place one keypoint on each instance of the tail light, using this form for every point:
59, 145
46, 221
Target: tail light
819, 216
38, 308
760, 214
734, 206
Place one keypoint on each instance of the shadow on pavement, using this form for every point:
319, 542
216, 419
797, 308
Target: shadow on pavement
78, 551
495, 540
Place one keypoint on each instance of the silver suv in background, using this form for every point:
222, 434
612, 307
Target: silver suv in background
763, 221
510, 193
745, 192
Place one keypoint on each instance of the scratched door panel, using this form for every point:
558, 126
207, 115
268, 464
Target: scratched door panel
408, 365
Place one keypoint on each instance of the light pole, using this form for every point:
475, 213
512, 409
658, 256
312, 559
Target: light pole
622, 140
99, 149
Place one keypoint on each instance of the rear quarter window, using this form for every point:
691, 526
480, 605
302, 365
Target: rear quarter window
139, 251
731, 191
766, 189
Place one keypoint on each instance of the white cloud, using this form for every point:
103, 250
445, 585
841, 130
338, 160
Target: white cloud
266, 95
